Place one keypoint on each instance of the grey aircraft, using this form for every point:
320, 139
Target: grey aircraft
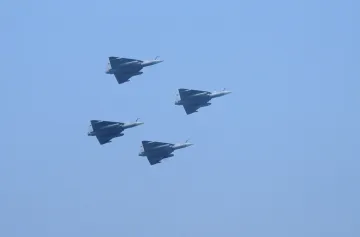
157, 151
105, 131
192, 100
125, 68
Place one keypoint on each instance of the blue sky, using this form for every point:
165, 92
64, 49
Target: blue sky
278, 157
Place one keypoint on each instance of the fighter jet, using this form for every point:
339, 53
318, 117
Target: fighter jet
192, 100
157, 151
125, 68
105, 131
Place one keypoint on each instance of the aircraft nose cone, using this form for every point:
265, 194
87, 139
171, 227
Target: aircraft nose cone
151, 62
158, 61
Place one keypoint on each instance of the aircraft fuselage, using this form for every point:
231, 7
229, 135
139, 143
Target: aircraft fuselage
164, 150
109, 130
133, 67
195, 99
201, 98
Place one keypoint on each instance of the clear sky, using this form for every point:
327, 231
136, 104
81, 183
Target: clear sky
278, 157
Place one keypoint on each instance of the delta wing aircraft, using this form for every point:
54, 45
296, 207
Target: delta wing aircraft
105, 131
192, 100
157, 151
125, 68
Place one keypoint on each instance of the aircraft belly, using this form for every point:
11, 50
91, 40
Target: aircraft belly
158, 153
202, 100
129, 69
110, 130
197, 101
108, 133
